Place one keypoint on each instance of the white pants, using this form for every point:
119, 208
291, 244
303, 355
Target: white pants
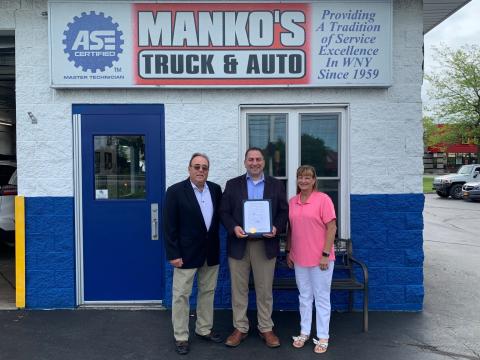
314, 283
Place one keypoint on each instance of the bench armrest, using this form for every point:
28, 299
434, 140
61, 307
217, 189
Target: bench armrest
364, 268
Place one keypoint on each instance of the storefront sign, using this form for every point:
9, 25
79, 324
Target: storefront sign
120, 44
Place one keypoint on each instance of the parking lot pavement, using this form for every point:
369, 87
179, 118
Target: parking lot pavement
451, 221
448, 328
452, 273
110, 334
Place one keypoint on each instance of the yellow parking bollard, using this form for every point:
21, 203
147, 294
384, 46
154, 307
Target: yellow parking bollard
20, 251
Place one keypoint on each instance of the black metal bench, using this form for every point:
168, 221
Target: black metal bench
344, 279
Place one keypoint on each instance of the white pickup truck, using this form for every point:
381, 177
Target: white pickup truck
451, 184
8, 190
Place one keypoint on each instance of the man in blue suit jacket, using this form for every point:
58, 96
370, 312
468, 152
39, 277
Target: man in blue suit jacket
256, 253
192, 246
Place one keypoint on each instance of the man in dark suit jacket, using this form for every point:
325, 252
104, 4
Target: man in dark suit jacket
192, 246
256, 253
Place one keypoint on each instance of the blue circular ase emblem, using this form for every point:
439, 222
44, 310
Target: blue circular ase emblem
92, 41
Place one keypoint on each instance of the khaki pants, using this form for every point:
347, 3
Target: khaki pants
182, 289
263, 271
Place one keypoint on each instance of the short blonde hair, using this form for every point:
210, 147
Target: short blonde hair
307, 170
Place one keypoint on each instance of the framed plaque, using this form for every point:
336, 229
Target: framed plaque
257, 217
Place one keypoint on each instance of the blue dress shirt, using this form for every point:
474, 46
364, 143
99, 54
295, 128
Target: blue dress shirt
255, 187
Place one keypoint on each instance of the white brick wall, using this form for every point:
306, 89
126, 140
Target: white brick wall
386, 125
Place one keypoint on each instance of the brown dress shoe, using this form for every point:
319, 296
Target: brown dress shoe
271, 340
235, 338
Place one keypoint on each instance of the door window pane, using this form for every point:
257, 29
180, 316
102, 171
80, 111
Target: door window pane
319, 143
330, 187
269, 133
120, 167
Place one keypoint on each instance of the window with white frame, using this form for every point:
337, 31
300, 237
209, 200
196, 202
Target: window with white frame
294, 136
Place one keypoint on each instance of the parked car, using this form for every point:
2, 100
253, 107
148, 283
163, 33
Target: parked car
8, 190
451, 184
471, 191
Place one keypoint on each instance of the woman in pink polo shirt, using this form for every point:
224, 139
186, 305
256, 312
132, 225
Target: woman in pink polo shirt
310, 251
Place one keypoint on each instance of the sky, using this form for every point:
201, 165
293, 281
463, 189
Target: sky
461, 28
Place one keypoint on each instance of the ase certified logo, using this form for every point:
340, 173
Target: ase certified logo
93, 41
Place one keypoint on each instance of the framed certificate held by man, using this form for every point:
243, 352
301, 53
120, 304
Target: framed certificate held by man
257, 217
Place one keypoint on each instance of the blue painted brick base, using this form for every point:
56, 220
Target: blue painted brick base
386, 234
50, 254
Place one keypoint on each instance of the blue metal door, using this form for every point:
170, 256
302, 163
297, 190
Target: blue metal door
122, 196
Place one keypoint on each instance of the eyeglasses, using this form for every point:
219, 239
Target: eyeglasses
198, 167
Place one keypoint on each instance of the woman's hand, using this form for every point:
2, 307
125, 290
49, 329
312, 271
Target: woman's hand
324, 263
289, 261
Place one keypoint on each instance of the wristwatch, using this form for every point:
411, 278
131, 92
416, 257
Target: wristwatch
325, 254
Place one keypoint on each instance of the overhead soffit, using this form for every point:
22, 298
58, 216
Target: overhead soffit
435, 11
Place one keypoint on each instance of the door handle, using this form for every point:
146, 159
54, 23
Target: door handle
154, 220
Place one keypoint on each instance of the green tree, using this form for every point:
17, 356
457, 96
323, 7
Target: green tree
429, 131
456, 92
435, 136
